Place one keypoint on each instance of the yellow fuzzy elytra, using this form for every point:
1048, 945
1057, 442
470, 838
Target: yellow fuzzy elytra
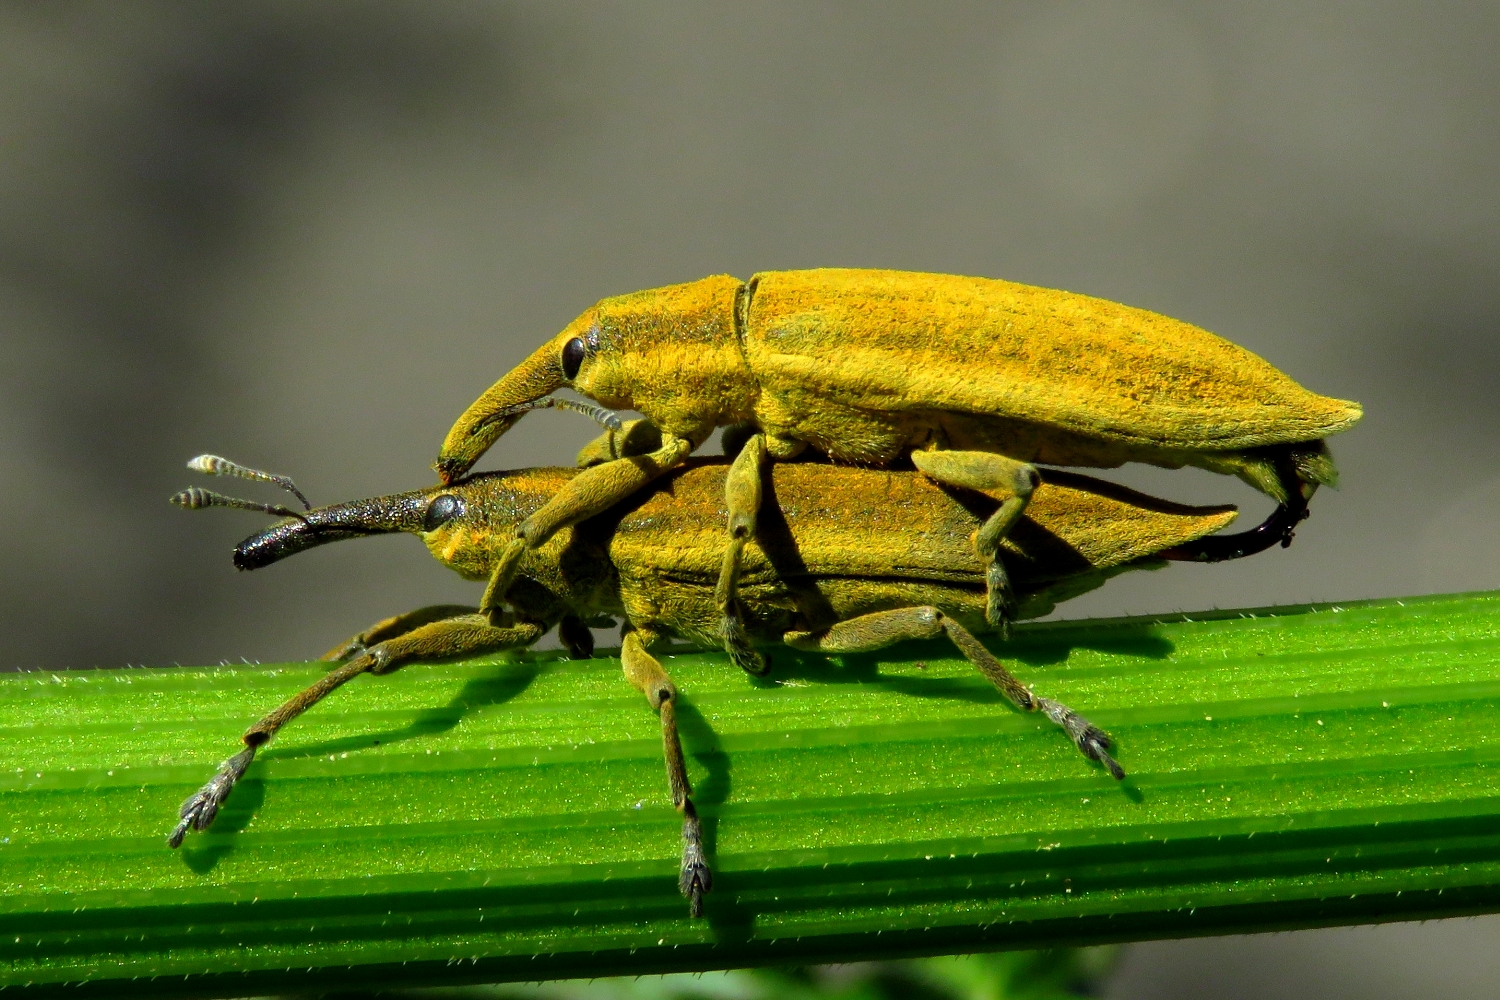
896, 341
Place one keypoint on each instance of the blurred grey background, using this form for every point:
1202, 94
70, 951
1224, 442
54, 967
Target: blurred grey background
306, 236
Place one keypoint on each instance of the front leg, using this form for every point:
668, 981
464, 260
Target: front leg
633, 437
983, 471
591, 492
394, 626
463, 635
646, 675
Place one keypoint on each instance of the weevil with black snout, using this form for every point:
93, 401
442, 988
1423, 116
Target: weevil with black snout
860, 559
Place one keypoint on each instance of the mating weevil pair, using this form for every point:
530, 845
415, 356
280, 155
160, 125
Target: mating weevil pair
974, 380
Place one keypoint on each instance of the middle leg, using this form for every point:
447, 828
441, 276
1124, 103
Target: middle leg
742, 495
646, 675
983, 471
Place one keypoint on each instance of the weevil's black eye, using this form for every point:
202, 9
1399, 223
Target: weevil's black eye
573, 352
444, 508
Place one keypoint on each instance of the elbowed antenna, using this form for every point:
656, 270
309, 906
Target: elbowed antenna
302, 529
596, 413
213, 465
197, 498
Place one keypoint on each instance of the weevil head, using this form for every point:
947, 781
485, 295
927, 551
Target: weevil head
467, 525
670, 353
580, 358
464, 525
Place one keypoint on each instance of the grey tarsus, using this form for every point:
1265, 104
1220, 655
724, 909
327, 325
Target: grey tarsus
203, 805
696, 878
1090, 740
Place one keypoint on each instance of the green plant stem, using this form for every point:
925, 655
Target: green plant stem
508, 819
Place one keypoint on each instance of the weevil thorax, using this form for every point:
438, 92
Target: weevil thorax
673, 354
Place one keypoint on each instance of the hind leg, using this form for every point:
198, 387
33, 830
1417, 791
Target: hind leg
882, 628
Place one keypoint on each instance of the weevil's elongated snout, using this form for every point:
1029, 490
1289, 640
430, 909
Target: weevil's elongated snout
334, 523
494, 413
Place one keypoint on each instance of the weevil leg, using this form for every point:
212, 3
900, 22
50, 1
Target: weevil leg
882, 628
457, 636
733, 438
591, 492
983, 470
1290, 475
646, 675
575, 637
633, 437
393, 626
742, 495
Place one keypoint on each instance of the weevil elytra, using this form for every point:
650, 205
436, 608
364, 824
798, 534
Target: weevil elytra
975, 379
845, 560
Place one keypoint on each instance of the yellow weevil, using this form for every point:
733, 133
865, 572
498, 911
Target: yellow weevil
974, 379
846, 560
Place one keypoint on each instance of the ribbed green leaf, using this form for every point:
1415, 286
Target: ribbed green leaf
502, 819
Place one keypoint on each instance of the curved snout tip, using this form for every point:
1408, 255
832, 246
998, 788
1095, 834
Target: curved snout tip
469, 439
451, 468
495, 412
282, 539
